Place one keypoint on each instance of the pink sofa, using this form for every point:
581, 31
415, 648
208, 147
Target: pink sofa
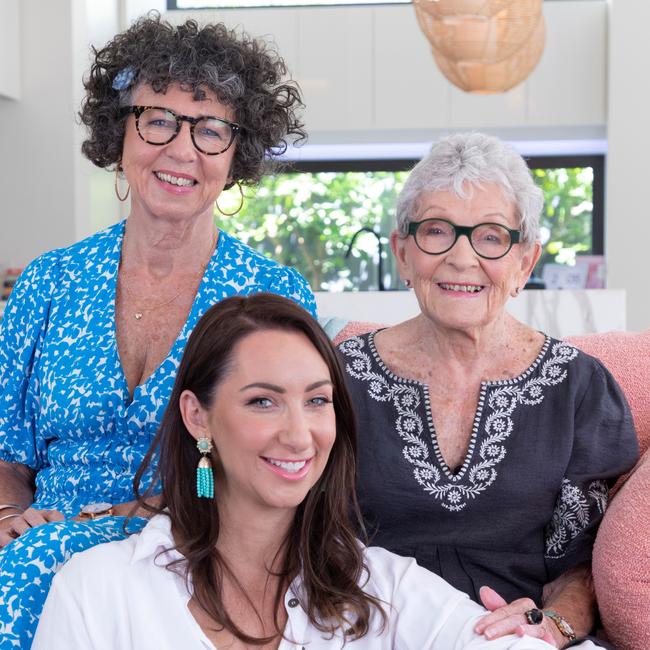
621, 561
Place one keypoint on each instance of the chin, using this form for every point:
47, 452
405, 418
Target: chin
285, 500
459, 322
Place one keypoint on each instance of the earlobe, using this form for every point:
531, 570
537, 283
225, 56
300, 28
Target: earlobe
193, 414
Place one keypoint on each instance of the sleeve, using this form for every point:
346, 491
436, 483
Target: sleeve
605, 446
62, 625
22, 333
425, 612
291, 284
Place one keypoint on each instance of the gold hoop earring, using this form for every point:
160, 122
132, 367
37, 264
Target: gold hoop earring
118, 171
241, 203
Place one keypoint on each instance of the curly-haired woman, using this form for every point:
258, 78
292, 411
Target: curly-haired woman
93, 333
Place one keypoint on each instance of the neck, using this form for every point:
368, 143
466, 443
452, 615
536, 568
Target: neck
252, 539
464, 347
161, 246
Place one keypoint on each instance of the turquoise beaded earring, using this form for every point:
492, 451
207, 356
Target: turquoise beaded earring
204, 476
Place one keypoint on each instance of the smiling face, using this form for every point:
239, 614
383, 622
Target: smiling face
272, 421
459, 289
175, 181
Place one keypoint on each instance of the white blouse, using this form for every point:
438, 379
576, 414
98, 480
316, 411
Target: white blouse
120, 596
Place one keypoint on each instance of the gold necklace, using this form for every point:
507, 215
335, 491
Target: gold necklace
139, 313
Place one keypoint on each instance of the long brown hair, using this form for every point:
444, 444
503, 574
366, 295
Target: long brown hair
321, 543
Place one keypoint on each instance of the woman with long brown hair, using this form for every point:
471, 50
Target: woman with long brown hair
254, 540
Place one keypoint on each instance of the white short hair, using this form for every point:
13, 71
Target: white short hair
474, 159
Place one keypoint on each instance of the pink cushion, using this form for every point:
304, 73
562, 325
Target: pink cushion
621, 563
627, 356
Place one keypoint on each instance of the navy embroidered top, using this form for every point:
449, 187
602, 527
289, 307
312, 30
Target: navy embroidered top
65, 408
526, 503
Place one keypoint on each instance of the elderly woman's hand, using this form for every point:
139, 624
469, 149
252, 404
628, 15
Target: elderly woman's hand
14, 527
510, 618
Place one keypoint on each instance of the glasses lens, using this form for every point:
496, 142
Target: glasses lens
435, 236
157, 125
491, 240
212, 135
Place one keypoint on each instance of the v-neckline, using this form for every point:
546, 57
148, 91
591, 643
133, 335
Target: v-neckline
182, 334
456, 476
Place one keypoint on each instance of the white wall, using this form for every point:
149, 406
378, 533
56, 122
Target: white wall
367, 75
627, 207
10, 49
37, 174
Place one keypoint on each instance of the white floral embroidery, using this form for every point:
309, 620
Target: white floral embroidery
570, 517
599, 492
503, 397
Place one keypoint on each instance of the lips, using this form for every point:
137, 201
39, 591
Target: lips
461, 288
291, 469
179, 180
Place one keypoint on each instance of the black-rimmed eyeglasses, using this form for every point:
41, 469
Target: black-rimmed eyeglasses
489, 240
158, 126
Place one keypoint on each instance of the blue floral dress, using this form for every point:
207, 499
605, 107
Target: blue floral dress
65, 407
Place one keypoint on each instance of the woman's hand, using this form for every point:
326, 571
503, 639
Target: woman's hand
14, 527
510, 618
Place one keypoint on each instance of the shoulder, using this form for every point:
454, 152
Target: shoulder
91, 250
251, 272
38, 274
55, 268
113, 565
355, 345
242, 254
562, 360
63, 259
98, 573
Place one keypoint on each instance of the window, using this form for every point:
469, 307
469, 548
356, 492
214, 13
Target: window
307, 217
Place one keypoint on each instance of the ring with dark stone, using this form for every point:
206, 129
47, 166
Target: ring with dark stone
534, 616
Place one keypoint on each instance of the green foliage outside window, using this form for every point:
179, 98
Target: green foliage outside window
307, 220
566, 222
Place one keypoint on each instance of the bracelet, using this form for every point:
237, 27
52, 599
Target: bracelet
16, 514
562, 624
4, 506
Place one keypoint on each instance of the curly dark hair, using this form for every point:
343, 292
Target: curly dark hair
244, 73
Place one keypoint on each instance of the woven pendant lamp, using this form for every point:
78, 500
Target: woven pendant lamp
484, 46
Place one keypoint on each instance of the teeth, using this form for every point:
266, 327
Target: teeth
471, 288
289, 466
174, 180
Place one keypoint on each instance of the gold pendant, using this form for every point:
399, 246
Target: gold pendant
138, 315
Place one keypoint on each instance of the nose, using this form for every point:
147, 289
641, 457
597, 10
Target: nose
181, 148
295, 432
462, 255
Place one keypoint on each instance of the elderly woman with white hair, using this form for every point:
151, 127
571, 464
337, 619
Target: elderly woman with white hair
486, 447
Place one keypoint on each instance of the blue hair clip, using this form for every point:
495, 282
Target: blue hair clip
123, 79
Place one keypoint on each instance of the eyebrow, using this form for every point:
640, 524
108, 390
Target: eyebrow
280, 389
